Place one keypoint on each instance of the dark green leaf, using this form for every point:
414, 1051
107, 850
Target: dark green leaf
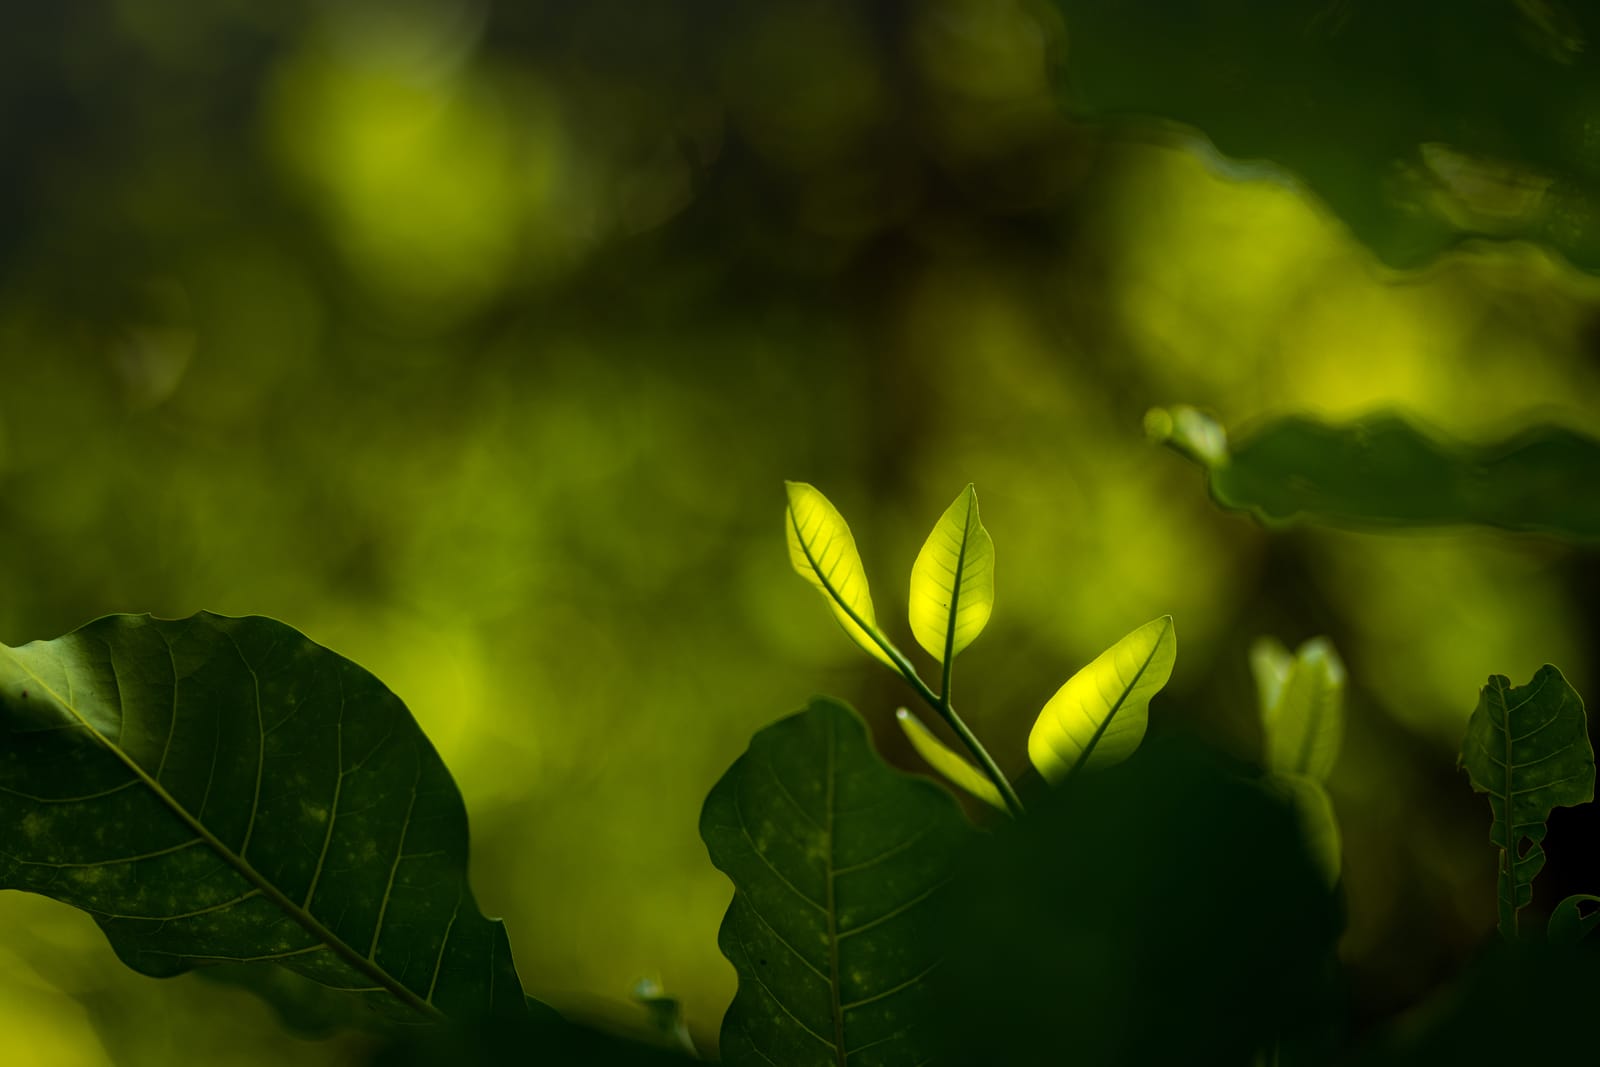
1384, 471
1419, 125
1162, 911
836, 861
1569, 924
1528, 748
217, 790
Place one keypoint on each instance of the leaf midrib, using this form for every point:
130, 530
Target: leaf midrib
1099, 731
300, 916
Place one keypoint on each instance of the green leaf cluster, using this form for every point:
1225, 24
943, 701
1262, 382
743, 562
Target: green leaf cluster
1097, 718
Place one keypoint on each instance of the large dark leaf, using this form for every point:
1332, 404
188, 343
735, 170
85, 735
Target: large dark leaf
1384, 471
217, 790
1418, 124
836, 860
1528, 748
1161, 911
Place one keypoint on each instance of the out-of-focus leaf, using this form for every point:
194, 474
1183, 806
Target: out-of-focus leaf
1164, 911
1384, 471
1419, 127
665, 1012
947, 762
1306, 724
952, 581
1528, 748
823, 552
836, 860
1319, 828
1099, 716
216, 790
1270, 663
1569, 924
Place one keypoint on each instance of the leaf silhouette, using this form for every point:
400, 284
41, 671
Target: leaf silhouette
218, 790
1528, 748
836, 860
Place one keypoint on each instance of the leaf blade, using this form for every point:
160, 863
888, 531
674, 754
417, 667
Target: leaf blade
947, 762
823, 552
836, 862
198, 741
1385, 471
1528, 748
1306, 725
1099, 716
952, 580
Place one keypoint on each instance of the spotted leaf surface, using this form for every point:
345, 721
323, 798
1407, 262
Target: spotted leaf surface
216, 790
1528, 748
836, 861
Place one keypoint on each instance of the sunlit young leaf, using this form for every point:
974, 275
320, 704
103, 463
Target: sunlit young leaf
1270, 664
823, 552
947, 762
836, 861
1099, 716
1319, 827
1384, 471
1569, 923
1528, 748
952, 581
216, 790
1305, 726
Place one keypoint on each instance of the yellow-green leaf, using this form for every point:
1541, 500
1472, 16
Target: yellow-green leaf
1306, 726
1099, 717
952, 582
1270, 663
1318, 826
944, 760
824, 553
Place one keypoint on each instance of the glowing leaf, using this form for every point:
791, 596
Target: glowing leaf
1099, 716
823, 551
947, 762
952, 582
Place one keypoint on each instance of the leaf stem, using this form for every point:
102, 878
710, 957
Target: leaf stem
941, 704
1508, 901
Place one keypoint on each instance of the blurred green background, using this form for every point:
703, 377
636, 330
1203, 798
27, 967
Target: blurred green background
476, 342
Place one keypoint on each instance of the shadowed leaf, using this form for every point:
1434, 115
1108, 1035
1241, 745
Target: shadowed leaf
1383, 471
1569, 923
836, 861
1418, 127
216, 790
1099, 716
1528, 748
823, 552
952, 581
